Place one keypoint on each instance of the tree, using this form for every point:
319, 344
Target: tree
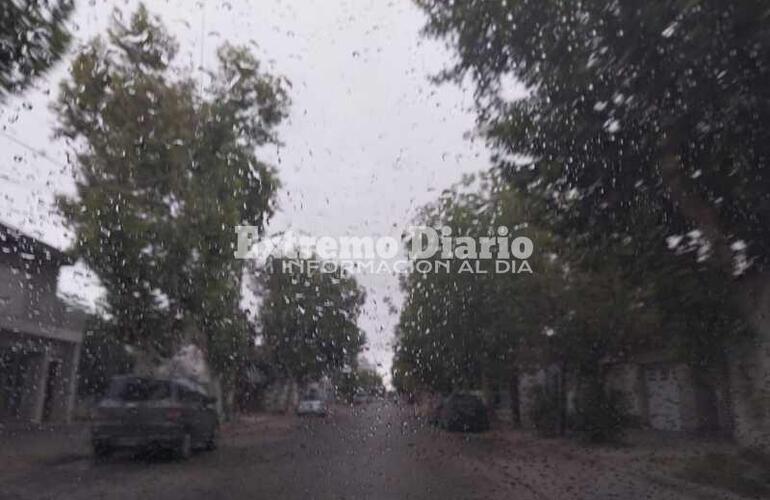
583, 310
308, 319
102, 357
652, 111
370, 382
33, 36
467, 329
643, 137
165, 174
359, 380
403, 377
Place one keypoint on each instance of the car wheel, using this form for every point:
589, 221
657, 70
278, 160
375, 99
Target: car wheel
211, 442
184, 448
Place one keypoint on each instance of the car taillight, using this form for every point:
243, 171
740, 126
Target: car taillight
173, 414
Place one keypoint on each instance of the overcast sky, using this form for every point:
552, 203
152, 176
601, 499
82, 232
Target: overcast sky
369, 139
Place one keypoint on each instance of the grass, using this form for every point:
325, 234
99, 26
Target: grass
746, 473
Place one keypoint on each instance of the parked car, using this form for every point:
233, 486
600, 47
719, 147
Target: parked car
145, 412
360, 398
462, 412
312, 406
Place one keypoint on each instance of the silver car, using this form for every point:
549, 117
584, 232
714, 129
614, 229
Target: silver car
145, 412
312, 406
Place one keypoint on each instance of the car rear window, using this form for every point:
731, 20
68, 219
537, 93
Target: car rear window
139, 389
311, 395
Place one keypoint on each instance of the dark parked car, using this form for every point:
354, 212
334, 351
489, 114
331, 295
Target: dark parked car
144, 412
462, 412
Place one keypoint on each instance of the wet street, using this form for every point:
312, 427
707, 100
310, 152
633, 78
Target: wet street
370, 452
378, 451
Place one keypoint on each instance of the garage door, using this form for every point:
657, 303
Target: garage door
663, 398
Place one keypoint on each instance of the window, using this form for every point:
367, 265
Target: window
139, 389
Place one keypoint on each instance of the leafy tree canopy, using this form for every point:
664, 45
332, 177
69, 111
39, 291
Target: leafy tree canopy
581, 308
635, 111
33, 36
308, 319
166, 170
458, 329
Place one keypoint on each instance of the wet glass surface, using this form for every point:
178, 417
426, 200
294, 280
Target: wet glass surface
384, 249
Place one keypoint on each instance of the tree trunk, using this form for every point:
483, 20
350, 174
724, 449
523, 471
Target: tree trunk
515, 399
562, 391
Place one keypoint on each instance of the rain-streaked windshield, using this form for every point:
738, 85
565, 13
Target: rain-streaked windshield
384, 249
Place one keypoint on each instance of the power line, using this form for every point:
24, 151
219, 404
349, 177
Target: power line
26, 183
38, 152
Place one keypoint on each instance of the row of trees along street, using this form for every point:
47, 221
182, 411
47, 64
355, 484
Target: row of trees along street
638, 162
167, 166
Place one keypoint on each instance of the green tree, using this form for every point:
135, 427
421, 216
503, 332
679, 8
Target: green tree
165, 173
102, 357
33, 37
643, 137
468, 329
655, 111
357, 380
403, 371
370, 382
308, 319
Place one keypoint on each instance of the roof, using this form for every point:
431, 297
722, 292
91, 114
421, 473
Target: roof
13, 240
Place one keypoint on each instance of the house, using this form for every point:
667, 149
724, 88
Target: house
660, 393
665, 394
40, 336
548, 378
261, 387
283, 394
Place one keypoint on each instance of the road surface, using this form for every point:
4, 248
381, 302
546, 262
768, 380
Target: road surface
374, 452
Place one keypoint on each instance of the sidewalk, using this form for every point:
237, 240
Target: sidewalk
24, 444
648, 463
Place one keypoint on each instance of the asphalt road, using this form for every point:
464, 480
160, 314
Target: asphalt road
379, 451
372, 452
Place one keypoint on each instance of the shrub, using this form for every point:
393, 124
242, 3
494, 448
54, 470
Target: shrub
600, 414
